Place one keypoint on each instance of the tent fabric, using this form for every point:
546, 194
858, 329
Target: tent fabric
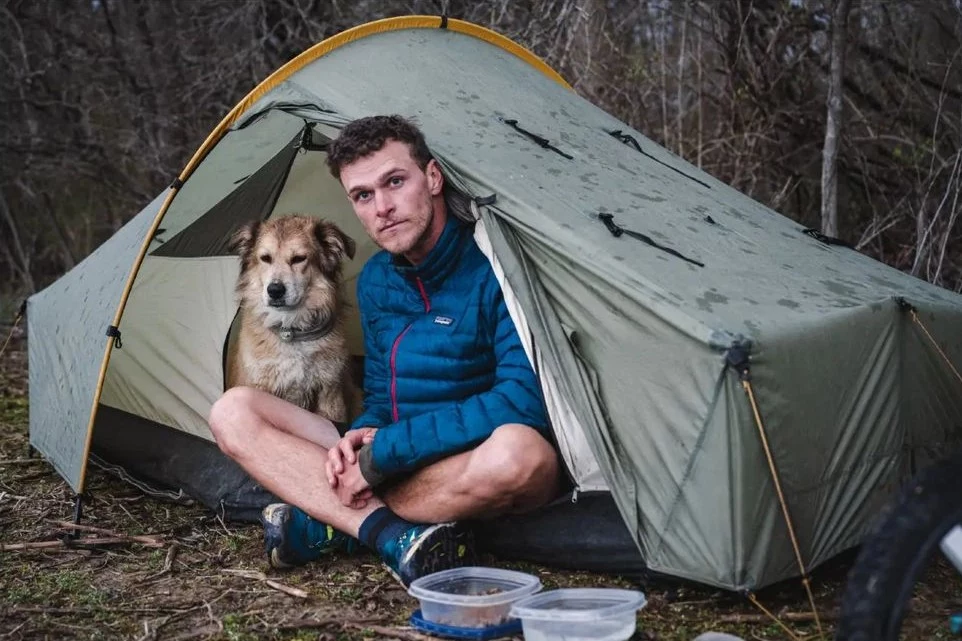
252, 200
630, 333
171, 371
66, 323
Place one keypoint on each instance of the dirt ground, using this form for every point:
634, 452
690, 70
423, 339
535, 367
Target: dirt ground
197, 577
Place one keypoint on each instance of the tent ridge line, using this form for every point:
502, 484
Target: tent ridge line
394, 24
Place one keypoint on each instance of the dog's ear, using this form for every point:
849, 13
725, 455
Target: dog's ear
335, 244
242, 241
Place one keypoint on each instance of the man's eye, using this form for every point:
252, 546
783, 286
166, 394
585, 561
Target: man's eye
266, 258
396, 181
362, 195
298, 259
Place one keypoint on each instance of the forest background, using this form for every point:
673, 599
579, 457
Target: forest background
845, 115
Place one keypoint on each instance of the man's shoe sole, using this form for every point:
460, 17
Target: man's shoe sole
441, 547
273, 526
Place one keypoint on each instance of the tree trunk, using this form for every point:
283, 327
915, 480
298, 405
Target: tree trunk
16, 249
833, 124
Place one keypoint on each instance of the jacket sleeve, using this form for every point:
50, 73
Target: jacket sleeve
515, 397
377, 404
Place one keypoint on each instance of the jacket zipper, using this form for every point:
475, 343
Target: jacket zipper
397, 342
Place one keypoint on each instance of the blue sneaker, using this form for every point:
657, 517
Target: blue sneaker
292, 538
425, 549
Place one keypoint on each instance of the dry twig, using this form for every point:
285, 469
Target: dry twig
67, 545
260, 576
795, 617
405, 634
151, 541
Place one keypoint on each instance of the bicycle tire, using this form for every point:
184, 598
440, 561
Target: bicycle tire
899, 548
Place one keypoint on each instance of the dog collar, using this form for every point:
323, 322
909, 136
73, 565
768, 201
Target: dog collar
294, 334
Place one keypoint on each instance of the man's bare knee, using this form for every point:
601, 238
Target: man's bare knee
230, 419
513, 463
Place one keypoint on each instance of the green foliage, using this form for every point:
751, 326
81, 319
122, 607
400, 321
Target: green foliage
54, 587
235, 628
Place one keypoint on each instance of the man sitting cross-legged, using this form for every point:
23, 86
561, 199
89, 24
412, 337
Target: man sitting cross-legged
454, 425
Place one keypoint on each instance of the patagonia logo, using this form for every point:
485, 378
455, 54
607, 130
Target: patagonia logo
443, 320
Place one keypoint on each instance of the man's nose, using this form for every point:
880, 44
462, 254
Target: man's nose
383, 204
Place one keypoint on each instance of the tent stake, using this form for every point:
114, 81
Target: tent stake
78, 512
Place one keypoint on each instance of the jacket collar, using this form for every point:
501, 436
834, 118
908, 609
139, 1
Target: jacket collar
443, 258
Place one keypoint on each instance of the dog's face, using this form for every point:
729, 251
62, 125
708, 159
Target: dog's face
291, 264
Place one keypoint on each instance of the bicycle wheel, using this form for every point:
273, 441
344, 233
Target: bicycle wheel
901, 546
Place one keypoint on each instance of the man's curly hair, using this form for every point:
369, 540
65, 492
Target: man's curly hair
365, 136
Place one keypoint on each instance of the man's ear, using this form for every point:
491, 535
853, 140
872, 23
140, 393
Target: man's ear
435, 177
335, 244
242, 241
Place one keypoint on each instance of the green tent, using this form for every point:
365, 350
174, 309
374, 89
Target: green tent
701, 354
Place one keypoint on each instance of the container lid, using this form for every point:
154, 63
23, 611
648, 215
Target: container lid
474, 586
578, 604
508, 629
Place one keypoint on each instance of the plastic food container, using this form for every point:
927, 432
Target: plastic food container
472, 597
579, 614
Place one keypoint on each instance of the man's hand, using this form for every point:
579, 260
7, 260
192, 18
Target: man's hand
352, 489
344, 453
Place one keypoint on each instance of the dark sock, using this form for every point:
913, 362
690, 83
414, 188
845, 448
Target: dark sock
381, 527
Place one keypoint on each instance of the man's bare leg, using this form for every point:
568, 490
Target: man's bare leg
284, 448
277, 444
514, 470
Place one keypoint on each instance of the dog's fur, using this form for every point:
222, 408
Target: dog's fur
304, 255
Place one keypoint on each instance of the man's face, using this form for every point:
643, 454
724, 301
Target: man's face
394, 199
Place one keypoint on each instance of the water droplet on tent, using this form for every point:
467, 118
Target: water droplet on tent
710, 298
836, 287
846, 302
882, 281
648, 197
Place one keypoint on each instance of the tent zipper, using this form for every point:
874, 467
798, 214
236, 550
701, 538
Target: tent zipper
397, 341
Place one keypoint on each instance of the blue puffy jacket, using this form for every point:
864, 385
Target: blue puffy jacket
444, 365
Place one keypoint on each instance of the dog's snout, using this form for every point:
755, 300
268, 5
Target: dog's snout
276, 290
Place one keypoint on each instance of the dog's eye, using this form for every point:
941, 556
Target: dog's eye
298, 259
266, 258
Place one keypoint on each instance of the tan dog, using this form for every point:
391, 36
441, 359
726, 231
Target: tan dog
291, 341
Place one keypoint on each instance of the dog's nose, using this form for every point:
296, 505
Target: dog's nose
276, 290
